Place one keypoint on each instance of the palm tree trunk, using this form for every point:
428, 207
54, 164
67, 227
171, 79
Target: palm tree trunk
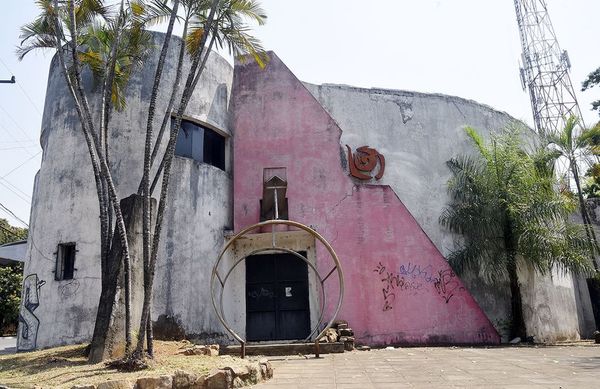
150, 333
102, 199
517, 328
169, 153
178, 124
147, 216
187, 92
589, 228
104, 170
167, 115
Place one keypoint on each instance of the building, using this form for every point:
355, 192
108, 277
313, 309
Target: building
13, 253
261, 129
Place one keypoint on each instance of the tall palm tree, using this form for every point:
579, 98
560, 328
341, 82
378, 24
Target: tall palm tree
206, 22
504, 206
110, 42
574, 148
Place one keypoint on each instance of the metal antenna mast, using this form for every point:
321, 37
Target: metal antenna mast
545, 70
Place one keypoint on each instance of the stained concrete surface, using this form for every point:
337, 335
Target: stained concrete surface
449, 367
8, 344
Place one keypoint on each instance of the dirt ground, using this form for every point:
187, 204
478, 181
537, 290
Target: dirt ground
64, 367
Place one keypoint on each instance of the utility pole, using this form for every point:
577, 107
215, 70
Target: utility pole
11, 81
545, 71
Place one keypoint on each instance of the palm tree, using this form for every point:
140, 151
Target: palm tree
504, 206
206, 22
573, 148
110, 44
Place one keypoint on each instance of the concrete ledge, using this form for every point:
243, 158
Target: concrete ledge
285, 349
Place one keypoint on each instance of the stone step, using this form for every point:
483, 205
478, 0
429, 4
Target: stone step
274, 349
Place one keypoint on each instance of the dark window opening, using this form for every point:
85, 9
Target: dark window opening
200, 144
65, 261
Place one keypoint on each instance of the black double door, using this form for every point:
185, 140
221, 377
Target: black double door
277, 297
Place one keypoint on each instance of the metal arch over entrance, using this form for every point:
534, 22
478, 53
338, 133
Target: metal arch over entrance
217, 279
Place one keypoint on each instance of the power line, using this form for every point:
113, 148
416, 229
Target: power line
8, 143
16, 123
12, 214
26, 198
34, 105
17, 148
29, 159
15, 138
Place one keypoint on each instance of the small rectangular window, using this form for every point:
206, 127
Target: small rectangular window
200, 144
65, 261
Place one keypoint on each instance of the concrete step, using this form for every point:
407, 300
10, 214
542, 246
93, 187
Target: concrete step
274, 349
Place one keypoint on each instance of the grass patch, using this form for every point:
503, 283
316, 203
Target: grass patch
64, 367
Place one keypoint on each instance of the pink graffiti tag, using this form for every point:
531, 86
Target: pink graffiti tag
364, 160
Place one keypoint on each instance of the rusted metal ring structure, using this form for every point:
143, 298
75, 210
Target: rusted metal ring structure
216, 277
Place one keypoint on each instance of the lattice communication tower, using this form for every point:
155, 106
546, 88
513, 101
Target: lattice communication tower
545, 69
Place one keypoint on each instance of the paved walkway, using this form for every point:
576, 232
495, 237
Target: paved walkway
447, 367
8, 344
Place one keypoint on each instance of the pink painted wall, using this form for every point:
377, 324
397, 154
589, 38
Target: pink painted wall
399, 288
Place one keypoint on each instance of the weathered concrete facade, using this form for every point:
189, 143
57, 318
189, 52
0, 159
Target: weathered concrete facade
65, 206
399, 289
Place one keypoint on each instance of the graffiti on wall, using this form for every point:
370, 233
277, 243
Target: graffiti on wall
447, 284
363, 162
28, 322
413, 278
394, 283
257, 294
68, 289
416, 271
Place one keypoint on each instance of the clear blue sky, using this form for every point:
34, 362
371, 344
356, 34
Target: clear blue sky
467, 48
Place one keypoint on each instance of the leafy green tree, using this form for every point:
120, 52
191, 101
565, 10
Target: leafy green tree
11, 278
592, 80
591, 184
10, 234
509, 215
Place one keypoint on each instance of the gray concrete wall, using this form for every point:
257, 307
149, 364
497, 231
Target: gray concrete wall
549, 305
199, 212
65, 206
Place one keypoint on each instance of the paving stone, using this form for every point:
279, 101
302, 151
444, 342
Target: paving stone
448, 367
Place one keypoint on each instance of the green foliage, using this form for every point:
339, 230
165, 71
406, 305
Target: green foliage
591, 184
10, 234
505, 206
592, 80
97, 26
10, 281
134, 46
11, 278
232, 28
573, 146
